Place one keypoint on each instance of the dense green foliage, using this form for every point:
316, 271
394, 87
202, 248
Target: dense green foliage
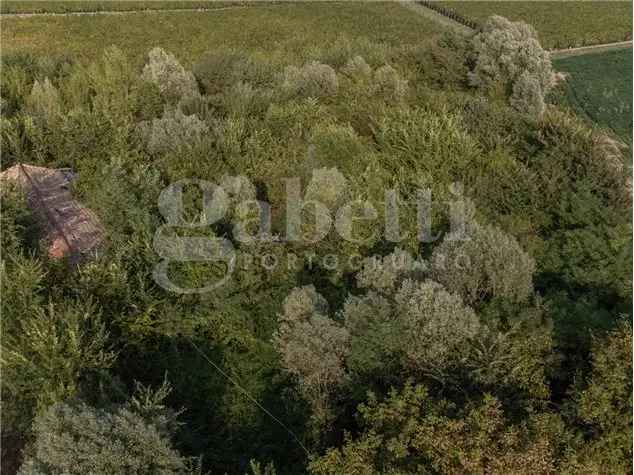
599, 87
509, 352
566, 24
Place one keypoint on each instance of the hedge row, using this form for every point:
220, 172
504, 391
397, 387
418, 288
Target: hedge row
452, 14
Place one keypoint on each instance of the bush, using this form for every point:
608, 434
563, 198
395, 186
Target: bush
172, 132
527, 96
312, 346
344, 48
507, 53
49, 350
357, 68
16, 220
327, 186
79, 439
437, 324
385, 274
242, 100
487, 264
413, 432
605, 405
43, 104
314, 79
388, 83
166, 72
219, 70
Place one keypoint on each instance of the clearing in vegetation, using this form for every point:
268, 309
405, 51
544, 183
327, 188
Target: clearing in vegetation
563, 24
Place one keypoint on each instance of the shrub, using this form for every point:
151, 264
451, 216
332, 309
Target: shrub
344, 48
172, 132
220, 69
507, 53
43, 104
528, 96
312, 346
15, 87
16, 220
327, 186
229, 136
489, 263
388, 83
357, 68
242, 100
164, 70
605, 405
437, 324
49, 350
295, 119
78, 439
385, 274
302, 302
419, 325
413, 432
314, 79
338, 145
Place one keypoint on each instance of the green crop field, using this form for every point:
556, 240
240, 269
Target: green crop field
599, 87
562, 24
265, 27
34, 6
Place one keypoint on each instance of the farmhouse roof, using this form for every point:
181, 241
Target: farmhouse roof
70, 229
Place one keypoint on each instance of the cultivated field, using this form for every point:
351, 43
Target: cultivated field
600, 89
561, 24
291, 28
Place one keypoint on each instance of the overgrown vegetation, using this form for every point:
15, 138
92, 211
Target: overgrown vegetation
507, 352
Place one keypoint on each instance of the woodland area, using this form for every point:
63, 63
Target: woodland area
518, 360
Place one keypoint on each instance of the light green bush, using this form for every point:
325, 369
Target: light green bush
357, 68
44, 103
314, 79
419, 325
312, 347
488, 263
508, 53
164, 70
172, 132
385, 274
327, 186
527, 96
439, 326
388, 83
79, 439
48, 350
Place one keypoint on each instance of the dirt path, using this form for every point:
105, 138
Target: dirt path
565, 53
